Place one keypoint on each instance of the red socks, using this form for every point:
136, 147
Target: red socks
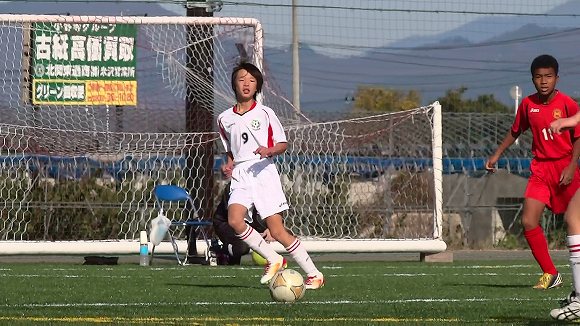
537, 242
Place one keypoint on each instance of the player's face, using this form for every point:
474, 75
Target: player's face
545, 81
246, 85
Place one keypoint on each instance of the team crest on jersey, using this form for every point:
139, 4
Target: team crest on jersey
255, 124
557, 113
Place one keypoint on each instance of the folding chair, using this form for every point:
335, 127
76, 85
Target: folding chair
172, 193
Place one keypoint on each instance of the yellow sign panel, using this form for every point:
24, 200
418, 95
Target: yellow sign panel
113, 92
85, 92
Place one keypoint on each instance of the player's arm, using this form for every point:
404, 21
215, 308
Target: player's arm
280, 142
228, 167
568, 173
508, 140
520, 124
277, 149
558, 125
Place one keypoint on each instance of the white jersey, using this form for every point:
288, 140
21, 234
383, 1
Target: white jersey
242, 134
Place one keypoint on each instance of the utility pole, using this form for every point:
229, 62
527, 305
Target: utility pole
198, 171
295, 58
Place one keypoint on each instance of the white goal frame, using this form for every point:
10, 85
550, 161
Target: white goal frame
434, 244
423, 246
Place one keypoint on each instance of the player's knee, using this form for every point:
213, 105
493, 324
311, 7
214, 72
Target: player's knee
572, 219
279, 233
239, 226
530, 223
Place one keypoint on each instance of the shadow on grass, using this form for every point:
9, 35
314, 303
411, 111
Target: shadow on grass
504, 286
523, 321
218, 286
497, 286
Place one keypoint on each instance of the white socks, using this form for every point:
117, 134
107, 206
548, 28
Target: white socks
299, 254
258, 244
296, 250
574, 249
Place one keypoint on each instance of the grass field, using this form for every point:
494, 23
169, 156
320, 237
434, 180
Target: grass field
357, 293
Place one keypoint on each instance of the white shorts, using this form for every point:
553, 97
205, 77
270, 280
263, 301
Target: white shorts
257, 183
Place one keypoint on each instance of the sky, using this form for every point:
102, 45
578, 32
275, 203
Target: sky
374, 34
348, 27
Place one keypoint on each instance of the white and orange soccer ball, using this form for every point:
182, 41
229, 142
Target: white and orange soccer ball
287, 286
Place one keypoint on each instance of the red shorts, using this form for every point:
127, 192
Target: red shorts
544, 184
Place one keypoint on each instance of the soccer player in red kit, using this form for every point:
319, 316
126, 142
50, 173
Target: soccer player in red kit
554, 172
252, 135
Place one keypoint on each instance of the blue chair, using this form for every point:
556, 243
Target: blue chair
172, 193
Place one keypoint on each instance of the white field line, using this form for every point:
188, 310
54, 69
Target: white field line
267, 303
7, 275
258, 268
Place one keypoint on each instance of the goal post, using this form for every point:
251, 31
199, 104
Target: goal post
93, 119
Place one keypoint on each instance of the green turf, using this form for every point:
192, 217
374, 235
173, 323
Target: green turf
357, 293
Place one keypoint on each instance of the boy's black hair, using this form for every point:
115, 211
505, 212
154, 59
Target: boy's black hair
544, 61
252, 70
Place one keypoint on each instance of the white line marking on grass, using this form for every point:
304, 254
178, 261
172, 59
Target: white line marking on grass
117, 276
419, 266
267, 303
202, 277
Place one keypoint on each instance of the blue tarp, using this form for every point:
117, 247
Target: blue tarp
76, 167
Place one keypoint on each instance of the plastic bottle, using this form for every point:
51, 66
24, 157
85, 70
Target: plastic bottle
143, 249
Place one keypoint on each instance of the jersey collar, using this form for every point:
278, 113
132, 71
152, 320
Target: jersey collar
251, 108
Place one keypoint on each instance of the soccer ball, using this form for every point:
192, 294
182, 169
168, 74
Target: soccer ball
287, 286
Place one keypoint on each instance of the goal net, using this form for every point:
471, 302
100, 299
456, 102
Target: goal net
98, 110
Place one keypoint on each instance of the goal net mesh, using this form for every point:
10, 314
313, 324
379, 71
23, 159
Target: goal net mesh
76, 169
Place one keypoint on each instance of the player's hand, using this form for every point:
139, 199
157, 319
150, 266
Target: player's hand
227, 169
263, 152
490, 164
568, 174
556, 126
267, 236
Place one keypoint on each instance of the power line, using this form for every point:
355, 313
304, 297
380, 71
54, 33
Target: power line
400, 10
376, 49
349, 8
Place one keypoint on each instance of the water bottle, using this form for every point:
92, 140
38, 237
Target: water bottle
143, 249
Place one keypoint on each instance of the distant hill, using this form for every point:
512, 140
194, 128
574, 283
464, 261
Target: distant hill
436, 63
430, 64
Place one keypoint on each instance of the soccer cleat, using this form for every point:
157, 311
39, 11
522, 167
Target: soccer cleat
549, 281
568, 299
314, 282
271, 269
571, 311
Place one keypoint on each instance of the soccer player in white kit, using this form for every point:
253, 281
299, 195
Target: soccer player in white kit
252, 135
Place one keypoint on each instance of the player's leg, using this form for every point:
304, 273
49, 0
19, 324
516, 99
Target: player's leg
315, 279
570, 307
534, 234
270, 201
236, 214
241, 198
537, 195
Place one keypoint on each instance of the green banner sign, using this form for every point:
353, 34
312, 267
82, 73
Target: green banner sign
90, 64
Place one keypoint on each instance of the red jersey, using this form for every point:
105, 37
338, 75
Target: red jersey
537, 116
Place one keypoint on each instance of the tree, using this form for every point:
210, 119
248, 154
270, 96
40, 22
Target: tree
453, 102
380, 99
